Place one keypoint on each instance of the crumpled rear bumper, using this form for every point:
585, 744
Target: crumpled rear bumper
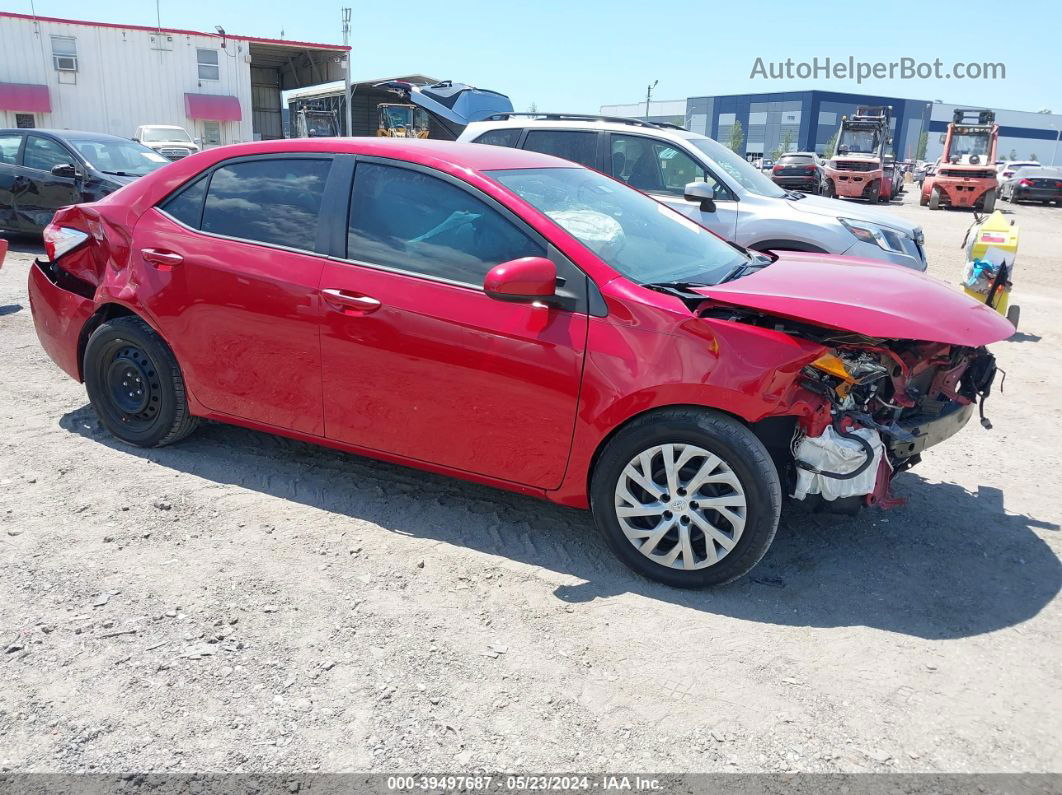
59, 315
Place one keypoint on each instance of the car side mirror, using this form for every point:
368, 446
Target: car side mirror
525, 279
64, 170
700, 192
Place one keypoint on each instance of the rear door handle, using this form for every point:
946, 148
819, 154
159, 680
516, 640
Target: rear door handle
346, 301
160, 258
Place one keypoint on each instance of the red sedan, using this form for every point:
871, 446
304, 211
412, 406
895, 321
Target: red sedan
513, 319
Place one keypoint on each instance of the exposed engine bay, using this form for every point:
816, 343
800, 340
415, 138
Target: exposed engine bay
872, 406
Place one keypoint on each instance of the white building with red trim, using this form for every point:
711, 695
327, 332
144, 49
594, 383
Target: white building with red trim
222, 88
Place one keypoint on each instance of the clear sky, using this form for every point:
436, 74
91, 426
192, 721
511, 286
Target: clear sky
575, 55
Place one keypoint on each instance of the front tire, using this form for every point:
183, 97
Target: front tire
988, 204
934, 199
135, 385
687, 497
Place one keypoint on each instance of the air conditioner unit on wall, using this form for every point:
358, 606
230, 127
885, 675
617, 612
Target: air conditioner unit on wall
65, 63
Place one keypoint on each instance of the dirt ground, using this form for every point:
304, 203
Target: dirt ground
240, 602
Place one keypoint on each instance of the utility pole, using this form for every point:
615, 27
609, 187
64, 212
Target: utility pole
348, 100
1058, 137
648, 96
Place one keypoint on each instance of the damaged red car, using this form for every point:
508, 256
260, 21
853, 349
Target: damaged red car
513, 319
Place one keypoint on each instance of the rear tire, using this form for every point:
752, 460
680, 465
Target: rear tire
682, 541
1014, 315
874, 194
828, 191
135, 384
934, 199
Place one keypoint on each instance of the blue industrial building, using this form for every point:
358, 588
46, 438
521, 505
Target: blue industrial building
810, 118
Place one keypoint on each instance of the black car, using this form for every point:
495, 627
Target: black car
800, 171
1033, 185
43, 170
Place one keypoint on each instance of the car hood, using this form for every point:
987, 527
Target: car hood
837, 208
867, 297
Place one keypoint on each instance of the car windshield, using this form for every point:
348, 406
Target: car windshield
641, 238
971, 144
124, 158
162, 134
743, 172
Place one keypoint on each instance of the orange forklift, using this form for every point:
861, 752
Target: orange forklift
966, 172
857, 169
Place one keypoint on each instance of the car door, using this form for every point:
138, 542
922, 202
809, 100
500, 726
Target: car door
662, 169
231, 266
10, 146
39, 193
418, 361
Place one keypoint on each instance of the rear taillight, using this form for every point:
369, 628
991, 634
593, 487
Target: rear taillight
810, 169
1025, 183
59, 240
1058, 184
777, 169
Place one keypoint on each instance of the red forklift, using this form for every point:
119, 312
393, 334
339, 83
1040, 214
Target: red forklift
857, 169
966, 171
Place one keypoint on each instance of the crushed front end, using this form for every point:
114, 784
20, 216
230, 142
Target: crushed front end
871, 407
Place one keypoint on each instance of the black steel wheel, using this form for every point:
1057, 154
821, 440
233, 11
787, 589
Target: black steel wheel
135, 385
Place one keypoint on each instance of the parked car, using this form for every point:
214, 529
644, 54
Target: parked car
43, 170
1033, 184
709, 183
925, 170
1007, 169
509, 318
893, 171
170, 141
800, 171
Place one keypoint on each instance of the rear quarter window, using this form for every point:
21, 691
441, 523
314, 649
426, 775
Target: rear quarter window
507, 137
9, 145
187, 206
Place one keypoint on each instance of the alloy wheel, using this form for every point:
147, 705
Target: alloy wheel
681, 506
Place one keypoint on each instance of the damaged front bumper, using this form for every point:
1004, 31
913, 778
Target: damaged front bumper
928, 432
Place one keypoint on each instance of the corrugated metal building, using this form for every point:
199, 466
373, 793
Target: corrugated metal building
103, 77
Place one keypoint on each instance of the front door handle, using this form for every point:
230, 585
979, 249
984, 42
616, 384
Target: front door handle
164, 260
346, 301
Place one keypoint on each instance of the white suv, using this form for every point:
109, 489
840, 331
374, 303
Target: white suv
709, 183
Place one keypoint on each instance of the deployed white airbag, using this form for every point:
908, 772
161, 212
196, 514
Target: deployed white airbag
831, 452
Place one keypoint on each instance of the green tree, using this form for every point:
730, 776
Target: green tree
1013, 154
532, 108
737, 138
923, 144
827, 150
783, 147
1034, 157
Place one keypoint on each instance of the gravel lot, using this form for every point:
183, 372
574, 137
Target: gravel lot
241, 602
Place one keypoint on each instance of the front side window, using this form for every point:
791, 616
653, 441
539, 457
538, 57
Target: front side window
653, 166
64, 53
274, 201
509, 136
9, 145
414, 222
44, 154
642, 238
575, 145
208, 64
738, 168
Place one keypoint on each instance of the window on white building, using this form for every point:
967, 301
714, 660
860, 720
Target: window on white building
208, 64
64, 53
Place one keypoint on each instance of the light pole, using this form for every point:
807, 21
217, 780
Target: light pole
648, 96
347, 113
1058, 130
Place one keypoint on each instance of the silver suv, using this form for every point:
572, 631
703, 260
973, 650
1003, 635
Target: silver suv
709, 183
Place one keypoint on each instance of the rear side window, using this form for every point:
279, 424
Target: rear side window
506, 137
578, 146
9, 145
414, 222
187, 206
276, 201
